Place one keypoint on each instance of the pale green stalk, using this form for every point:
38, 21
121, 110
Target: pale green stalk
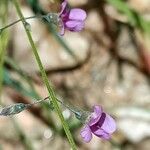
15, 22
3, 39
45, 78
2, 55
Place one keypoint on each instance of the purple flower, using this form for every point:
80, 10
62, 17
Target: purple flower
71, 19
100, 124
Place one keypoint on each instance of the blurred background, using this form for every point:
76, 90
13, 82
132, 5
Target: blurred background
108, 64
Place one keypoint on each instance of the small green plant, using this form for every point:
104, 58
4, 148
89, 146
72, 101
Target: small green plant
97, 122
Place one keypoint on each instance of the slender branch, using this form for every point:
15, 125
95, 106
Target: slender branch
17, 98
21, 19
36, 111
3, 43
45, 78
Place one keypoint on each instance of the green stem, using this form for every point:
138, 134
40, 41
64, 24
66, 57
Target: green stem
45, 78
3, 40
21, 19
72, 109
2, 55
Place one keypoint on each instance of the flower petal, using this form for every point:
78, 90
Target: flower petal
102, 134
74, 25
63, 7
77, 14
109, 124
95, 116
86, 134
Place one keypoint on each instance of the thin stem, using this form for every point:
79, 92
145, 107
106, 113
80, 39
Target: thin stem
2, 55
21, 19
73, 110
45, 79
67, 106
38, 101
3, 41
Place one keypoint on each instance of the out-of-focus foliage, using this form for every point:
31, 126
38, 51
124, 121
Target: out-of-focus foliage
134, 18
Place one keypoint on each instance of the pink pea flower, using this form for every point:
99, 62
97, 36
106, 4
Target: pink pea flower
71, 19
100, 124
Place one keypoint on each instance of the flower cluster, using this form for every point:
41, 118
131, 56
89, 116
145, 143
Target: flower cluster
71, 19
100, 124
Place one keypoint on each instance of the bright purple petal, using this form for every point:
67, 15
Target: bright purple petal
109, 124
86, 134
102, 134
63, 7
72, 19
74, 25
77, 14
95, 116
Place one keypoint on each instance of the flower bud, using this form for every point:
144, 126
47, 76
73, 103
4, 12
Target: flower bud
13, 109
